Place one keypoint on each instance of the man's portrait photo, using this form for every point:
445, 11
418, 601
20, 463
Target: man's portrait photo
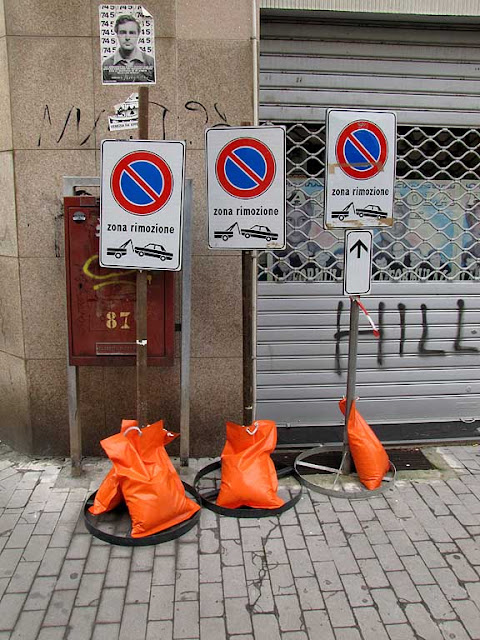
129, 62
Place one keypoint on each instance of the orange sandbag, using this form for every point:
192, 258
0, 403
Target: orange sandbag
109, 494
370, 458
249, 477
151, 487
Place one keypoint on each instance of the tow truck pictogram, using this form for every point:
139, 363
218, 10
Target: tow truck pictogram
257, 231
227, 233
152, 250
120, 251
346, 212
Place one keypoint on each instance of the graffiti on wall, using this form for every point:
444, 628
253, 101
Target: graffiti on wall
211, 115
423, 349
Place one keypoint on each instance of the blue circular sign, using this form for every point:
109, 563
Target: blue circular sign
361, 150
141, 182
245, 168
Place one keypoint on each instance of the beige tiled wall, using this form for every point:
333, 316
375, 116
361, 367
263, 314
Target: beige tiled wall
40, 209
8, 218
54, 73
2, 19
55, 115
48, 18
14, 414
6, 127
214, 20
47, 391
11, 334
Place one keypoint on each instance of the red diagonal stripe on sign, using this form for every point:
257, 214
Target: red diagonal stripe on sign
136, 177
244, 167
365, 152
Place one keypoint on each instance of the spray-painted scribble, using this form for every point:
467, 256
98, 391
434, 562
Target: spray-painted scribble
422, 348
458, 339
401, 310
213, 116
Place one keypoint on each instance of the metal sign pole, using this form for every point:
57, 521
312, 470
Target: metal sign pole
351, 381
141, 290
356, 280
247, 313
186, 324
75, 429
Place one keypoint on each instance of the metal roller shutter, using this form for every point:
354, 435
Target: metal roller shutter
424, 368
427, 75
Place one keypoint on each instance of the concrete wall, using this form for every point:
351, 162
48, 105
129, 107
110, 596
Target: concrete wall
51, 67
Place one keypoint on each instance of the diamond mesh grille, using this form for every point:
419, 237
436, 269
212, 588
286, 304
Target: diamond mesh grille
436, 229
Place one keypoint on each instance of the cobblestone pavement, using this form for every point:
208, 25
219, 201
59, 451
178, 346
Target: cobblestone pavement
400, 566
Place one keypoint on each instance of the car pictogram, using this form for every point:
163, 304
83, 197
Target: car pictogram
154, 251
259, 231
372, 211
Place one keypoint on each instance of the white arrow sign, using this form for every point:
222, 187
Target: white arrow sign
358, 263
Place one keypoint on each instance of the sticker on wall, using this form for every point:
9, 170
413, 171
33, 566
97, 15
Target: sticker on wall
126, 115
127, 44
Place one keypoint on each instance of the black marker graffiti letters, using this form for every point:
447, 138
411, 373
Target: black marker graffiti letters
46, 117
458, 339
93, 128
381, 310
47, 120
214, 117
165, 110
67, 119
223, 117
422, 349
337, 336
401, 310
193, 105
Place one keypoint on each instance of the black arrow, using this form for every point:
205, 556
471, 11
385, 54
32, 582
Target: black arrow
359, 246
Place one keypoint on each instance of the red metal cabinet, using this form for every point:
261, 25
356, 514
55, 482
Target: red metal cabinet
101, 302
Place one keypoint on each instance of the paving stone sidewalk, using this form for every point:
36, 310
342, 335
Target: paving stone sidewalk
395, 567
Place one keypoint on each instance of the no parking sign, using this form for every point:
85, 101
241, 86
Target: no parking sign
246, 187
142, 204
359, 168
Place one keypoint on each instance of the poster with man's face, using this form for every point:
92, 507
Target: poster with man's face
127, 44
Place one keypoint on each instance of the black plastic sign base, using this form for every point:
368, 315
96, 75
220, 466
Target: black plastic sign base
207, 499
94, 525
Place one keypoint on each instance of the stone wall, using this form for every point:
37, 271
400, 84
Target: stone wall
55, 113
